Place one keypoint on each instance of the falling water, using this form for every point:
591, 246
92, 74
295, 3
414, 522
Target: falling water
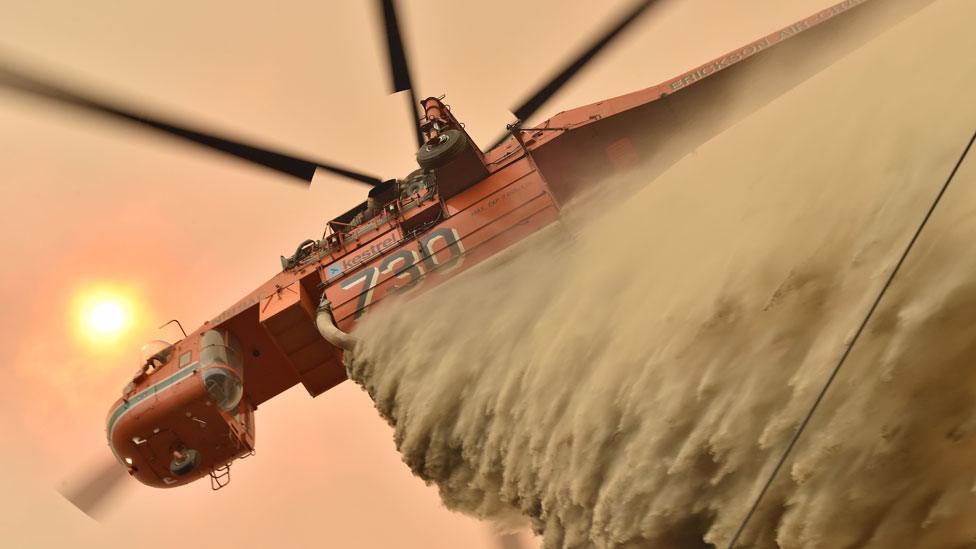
629, 377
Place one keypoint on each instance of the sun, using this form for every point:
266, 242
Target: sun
107, 317
104, 314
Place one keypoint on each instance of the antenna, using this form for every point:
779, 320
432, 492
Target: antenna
177, 323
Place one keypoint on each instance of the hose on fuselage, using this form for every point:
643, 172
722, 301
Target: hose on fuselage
330, 332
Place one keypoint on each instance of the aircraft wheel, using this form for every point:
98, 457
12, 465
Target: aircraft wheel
439, 151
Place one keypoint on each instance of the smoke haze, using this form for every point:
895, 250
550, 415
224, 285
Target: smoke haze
632, 381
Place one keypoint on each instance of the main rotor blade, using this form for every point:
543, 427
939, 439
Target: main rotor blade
300, 168
532, 104
100, 487
399, 69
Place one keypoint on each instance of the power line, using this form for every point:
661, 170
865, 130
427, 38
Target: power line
847, 351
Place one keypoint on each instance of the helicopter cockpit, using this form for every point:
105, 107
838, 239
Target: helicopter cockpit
181, 419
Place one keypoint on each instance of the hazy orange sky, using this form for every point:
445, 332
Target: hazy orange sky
85, 201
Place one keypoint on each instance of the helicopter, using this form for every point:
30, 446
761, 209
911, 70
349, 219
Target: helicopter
188, 412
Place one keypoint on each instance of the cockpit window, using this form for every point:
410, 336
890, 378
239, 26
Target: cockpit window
224, 388
221, 347
222, 367
154, 355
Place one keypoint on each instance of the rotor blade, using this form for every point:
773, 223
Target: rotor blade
532, 104
284, 163
399, 69
101, 486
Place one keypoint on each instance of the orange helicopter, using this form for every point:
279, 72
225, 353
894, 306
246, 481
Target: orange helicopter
188, 412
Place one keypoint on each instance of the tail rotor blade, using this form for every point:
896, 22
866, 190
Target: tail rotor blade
399, 69
293, 166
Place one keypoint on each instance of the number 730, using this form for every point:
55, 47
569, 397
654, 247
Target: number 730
408, 265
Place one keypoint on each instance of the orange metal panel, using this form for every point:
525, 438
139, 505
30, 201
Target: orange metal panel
493, 217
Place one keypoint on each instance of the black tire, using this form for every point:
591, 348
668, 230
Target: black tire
441, 150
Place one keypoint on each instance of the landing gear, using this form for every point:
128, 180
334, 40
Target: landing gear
441, 150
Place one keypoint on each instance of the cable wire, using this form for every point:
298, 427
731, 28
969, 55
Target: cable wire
847, 351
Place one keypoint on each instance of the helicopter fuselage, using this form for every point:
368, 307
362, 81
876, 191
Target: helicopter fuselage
188, 412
